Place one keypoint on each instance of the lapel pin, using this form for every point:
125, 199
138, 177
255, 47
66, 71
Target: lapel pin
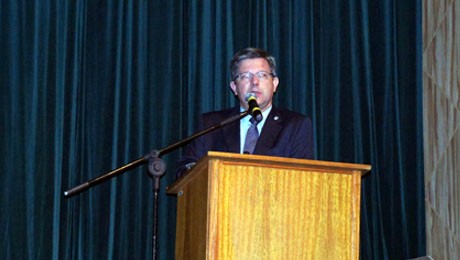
276, 118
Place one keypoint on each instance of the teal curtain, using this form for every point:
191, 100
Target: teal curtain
88, 86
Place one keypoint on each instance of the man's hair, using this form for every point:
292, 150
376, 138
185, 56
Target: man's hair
251, 53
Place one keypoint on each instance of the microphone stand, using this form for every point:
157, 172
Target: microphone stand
156, 169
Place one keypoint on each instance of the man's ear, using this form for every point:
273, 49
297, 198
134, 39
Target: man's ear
276, 81
233, 88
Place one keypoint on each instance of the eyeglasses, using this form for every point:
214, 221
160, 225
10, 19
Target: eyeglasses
248, 76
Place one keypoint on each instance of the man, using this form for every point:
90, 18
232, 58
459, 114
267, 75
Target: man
282, 132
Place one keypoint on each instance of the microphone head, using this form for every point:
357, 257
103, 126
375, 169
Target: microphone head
250, 96
254, 108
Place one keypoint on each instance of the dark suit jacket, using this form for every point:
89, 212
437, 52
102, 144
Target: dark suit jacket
285, 134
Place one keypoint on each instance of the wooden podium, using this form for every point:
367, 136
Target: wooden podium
234, 206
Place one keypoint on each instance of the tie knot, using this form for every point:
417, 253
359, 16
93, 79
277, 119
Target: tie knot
253, 121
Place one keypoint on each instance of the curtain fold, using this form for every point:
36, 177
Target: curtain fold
89, 86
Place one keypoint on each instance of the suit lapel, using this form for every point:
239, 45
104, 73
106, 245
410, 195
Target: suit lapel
270, 131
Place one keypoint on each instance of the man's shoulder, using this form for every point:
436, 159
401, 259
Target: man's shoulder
287, 114
220, 112
214, 117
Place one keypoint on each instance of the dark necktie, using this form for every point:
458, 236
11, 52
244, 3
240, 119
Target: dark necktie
251, 137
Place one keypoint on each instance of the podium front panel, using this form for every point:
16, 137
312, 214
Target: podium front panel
233, 206
277, 213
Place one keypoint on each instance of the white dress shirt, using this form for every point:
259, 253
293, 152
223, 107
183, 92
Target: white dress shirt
245, 124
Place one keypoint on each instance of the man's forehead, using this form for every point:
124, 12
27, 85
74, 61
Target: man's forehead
260, 62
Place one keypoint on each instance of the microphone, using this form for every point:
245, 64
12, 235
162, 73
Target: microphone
254, 108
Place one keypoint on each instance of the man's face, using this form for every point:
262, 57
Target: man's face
262, 88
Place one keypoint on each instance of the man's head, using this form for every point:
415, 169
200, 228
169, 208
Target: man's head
254, 71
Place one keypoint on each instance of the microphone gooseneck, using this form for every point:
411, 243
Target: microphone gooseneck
254, 108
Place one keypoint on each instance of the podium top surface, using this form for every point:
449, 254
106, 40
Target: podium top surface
269, 161
287, 161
